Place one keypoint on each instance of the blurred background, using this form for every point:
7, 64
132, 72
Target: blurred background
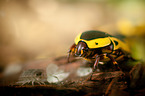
43, 29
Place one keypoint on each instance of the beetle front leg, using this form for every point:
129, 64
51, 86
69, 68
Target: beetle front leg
95, 66
96, 63
70, 51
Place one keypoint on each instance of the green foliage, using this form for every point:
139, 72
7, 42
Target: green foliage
138, 49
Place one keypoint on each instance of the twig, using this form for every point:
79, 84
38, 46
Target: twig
109, 87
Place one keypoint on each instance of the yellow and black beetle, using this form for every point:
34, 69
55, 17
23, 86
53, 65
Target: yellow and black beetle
98, 46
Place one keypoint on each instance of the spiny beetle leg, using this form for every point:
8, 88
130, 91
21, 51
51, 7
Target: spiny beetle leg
96, 63
95, 66
114, 62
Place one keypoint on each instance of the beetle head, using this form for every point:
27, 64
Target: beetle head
81, 49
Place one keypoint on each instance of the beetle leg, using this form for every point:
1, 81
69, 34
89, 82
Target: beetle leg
95, 65
70, 50
113, 60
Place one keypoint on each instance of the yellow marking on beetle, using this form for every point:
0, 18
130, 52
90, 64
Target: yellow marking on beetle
101, 42
106, 51
77, 39
75, 50
82, 52
120, 57
89, 59
106, 58
121, 45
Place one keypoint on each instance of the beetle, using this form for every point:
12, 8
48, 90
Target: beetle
98, 46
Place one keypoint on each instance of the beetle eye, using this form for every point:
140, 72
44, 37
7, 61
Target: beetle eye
96, 43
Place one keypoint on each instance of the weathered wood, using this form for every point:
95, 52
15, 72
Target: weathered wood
111, 83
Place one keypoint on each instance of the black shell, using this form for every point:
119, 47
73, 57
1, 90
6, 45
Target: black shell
90, 35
